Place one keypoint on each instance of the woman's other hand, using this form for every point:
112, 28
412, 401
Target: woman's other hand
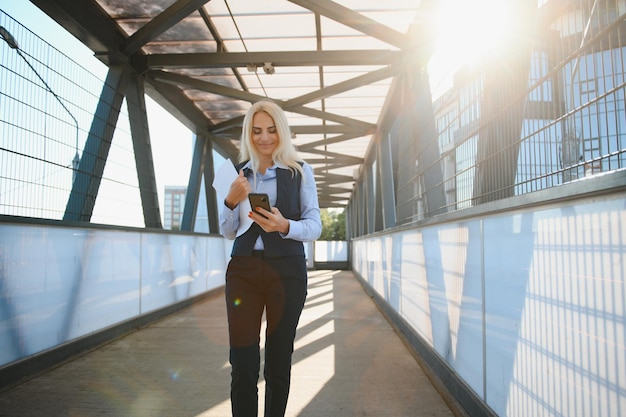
239, 190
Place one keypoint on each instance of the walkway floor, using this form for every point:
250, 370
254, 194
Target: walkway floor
348, 361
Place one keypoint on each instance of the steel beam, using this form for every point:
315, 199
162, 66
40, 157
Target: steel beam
388, 195
504, 98
162, 22
93, 159
212, 204
142, 147
277, 58
193, 186
357, 21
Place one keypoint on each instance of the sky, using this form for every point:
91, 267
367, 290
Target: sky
172, 142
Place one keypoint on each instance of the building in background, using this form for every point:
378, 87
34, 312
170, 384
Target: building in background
174, 205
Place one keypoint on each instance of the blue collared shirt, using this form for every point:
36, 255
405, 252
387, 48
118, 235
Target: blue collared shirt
308, 228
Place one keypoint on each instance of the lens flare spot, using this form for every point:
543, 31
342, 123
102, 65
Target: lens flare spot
237, 302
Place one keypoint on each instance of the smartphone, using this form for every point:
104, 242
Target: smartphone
259, 200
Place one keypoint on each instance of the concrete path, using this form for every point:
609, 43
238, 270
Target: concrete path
348, 362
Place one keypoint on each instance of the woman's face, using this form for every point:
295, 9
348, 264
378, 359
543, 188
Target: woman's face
264, 136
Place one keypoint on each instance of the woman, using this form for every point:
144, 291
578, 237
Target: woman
267, 269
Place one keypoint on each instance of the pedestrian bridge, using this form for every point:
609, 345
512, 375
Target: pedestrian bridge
348, 361
426, 317
483, 265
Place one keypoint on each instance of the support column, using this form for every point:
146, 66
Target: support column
194, 184
369, 198
427, 147
91, 166
213, 206
505, 85
136, 104
387, 186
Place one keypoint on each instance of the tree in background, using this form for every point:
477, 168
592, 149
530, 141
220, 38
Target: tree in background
333, 224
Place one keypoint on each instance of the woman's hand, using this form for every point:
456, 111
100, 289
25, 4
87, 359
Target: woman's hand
272, 222
239, 190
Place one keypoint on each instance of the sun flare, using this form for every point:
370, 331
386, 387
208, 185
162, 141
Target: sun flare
468, 32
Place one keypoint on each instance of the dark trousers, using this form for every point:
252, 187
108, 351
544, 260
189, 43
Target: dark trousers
278, 285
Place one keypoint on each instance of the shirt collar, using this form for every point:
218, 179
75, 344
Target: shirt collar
248, 165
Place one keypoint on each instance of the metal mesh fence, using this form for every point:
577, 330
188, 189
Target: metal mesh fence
545, 110
47, 108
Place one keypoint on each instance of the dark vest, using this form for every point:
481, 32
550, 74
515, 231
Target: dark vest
288, 202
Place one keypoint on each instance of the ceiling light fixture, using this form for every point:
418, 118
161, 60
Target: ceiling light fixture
269, 68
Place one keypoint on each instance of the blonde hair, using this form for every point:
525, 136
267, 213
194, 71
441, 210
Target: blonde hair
284, 153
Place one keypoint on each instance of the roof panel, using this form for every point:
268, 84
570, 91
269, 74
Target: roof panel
303, 80
282, 26
188, 30
252, 7
326, 103
273, 44
120, 9
252, 27
353, 42
398, 20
